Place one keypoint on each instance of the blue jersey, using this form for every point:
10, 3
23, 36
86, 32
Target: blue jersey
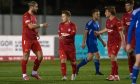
92, 26
91, 41
135, 23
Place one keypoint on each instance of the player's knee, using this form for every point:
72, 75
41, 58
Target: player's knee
89, 59
40, 57
73, 63
97, 56
25, 56
63, 60
137, 63
113, 58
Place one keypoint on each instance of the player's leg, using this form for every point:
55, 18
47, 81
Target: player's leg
136, 66
131, 61
113, 51
114, 70
39, 56
89, 57
63, 60
84, 61
26, 52
97, 63
72, 58
24, 66
136, 69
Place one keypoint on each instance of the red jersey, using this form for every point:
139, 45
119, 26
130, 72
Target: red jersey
113, 26
126, 22
69, 28
27, 33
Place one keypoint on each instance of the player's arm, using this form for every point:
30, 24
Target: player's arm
84, 39
122, 39
123, 24
101, 40
120, 30
59, 32
130, 29
103, 31
85, 35
73, 31
36, 26
28, 22
100, 32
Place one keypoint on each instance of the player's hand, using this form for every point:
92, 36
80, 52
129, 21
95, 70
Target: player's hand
128, 47
45, 25
65, 34
61, 37
96, 33
104, 43
128, 23
83, 45
123, 45
38, 37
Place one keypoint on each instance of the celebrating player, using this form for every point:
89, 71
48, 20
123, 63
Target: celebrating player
67, 31
135, 24
90, 40
115, 37
126, 23
29, 40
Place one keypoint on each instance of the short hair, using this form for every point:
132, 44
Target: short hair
131, 2
111, 9
66, 12
94, 10
32, 3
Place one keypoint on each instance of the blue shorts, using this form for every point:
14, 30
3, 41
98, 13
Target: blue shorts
137, 47
92, 46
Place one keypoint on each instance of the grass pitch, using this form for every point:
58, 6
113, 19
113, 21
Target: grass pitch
10, 73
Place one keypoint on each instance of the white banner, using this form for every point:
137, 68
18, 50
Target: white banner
12, 45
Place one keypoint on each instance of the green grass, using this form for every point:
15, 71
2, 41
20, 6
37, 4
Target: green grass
10, 73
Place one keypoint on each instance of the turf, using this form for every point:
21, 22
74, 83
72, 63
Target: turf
10, 73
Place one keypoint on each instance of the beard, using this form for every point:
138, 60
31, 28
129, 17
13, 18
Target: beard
34, 11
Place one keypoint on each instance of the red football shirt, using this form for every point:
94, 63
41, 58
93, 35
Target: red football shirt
69, 28
126, 23
27, 33
113, 26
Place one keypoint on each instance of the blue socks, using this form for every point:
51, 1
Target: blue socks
97, 65
135, 74
82, 63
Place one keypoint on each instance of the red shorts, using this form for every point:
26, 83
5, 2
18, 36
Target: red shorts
113, 49
69, 54
31, 45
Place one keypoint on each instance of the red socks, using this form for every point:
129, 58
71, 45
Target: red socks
63, 69
114, 70
23, 65
36, 64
